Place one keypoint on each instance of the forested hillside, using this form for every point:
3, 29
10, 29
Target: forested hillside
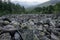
10, 8
48, 10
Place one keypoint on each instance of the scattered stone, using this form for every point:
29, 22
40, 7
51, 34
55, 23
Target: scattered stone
32, 26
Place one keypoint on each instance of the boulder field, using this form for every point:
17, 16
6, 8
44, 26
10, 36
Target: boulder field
31, 26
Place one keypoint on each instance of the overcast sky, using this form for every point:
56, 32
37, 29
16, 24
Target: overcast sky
29, 2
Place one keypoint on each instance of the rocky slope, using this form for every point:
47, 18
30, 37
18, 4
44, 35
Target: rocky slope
31, 26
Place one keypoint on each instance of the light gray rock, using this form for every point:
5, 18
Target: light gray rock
54, 37
42, 25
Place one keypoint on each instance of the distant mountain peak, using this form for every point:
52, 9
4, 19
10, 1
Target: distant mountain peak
51, 2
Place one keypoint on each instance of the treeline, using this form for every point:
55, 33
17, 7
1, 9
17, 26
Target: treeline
47, 10
10, 8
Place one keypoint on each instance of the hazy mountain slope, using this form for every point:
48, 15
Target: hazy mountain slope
51, 2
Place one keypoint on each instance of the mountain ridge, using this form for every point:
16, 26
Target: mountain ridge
51, 2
